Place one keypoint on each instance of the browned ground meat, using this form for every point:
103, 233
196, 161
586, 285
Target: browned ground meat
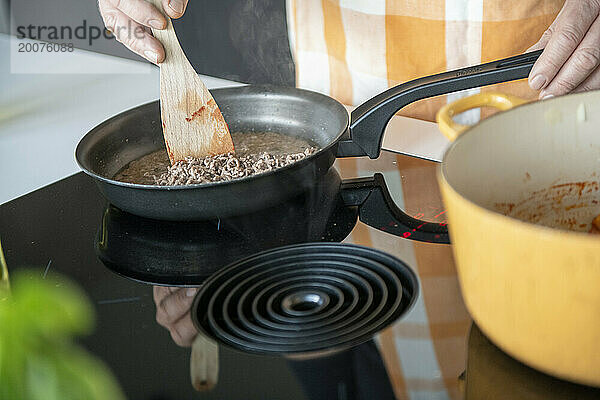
225, 167
255, 152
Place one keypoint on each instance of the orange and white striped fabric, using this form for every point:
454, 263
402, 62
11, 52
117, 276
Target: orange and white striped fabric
424, 353
354, 49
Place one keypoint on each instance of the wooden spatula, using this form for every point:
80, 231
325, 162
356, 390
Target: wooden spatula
204, 363
193, 125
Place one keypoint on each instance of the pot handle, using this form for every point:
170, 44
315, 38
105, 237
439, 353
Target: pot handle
452, 129
377, 209
368, 121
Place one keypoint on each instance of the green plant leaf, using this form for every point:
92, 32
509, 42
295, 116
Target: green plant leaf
42, 380
38, 359
50, 307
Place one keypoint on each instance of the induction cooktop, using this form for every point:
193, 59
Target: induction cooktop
404, 332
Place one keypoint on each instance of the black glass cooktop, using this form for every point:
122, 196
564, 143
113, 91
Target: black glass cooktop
138, 274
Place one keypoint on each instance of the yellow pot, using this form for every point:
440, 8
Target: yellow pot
534, 290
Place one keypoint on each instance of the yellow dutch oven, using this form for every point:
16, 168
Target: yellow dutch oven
521, 191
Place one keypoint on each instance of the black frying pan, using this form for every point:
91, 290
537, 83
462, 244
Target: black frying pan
295, 112
173, 253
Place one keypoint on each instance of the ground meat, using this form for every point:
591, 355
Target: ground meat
225, 167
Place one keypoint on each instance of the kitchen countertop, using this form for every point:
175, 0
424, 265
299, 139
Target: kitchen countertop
43, 116
432, 352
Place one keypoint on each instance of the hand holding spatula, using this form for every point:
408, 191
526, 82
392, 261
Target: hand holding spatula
193, 125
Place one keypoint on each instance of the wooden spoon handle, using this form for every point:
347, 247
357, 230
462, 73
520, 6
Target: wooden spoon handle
204, 363
193, 125
174, 55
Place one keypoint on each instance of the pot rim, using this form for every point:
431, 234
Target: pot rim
540, 229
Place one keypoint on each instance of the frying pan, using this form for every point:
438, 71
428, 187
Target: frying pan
113, 144
173, 253
186, 254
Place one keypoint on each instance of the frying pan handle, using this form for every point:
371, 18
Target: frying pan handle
376, 208
369, 120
